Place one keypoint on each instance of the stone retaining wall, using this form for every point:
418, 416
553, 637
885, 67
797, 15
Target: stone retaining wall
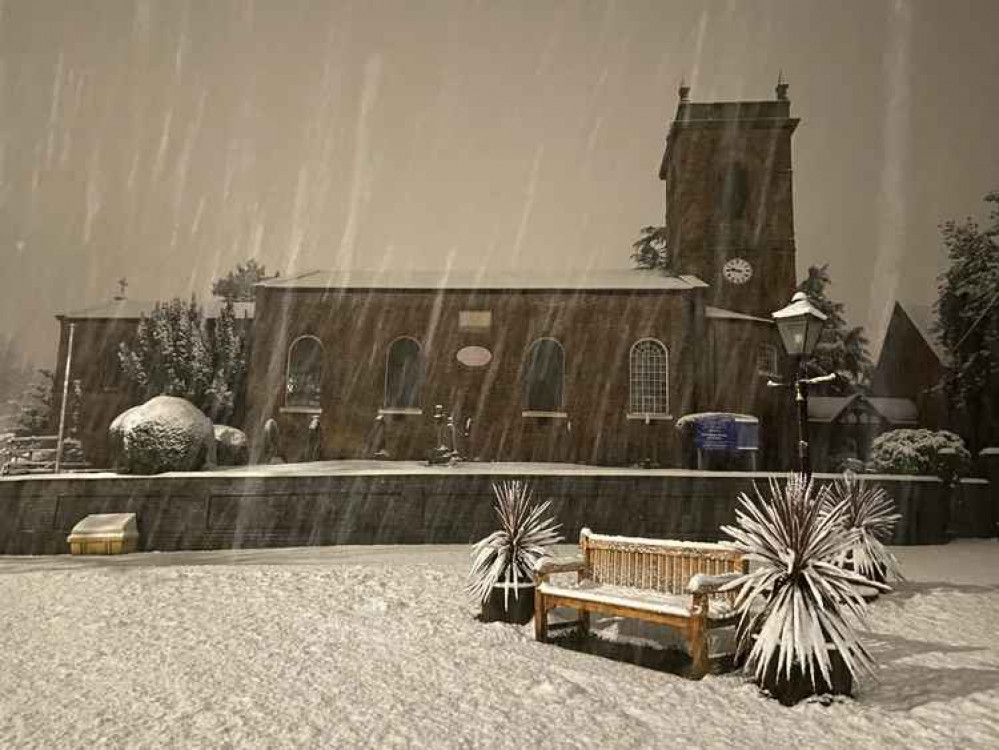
232, 510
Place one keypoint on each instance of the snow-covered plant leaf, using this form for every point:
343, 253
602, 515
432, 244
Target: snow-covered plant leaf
509, 554
797, 601
871, 512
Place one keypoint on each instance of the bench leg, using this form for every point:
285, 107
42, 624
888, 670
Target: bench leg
540, 618
698, 638
584, 621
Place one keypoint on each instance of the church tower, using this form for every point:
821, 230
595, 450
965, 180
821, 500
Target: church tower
729, 199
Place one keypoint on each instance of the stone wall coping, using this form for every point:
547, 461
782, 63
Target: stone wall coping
403, 468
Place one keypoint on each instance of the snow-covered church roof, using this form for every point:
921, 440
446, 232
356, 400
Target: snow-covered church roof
474, 280
133, 309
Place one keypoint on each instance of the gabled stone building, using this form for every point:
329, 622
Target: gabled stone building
904, 394
98, 330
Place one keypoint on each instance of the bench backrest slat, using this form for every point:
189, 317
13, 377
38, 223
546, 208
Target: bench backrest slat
661, 565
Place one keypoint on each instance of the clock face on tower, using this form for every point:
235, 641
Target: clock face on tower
737, 271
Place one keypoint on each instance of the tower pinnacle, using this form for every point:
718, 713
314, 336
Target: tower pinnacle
684, 91
782, 87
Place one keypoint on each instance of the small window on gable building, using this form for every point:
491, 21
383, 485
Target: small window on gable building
111, 375
403, 374
303, 380
766, 359
649, 378
544, 375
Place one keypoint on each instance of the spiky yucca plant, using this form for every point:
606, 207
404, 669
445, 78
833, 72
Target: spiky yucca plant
509, 554
797, 600
871, 512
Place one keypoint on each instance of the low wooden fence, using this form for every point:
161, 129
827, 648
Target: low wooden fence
35, 454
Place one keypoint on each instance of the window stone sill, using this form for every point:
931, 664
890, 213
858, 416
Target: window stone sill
544, 414
405, 411
642, 416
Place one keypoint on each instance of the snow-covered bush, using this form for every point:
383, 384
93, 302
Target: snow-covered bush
509, 554
164, 434
797, 602
871, 512
921, 451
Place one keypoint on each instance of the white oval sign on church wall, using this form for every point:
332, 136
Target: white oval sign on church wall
474, 356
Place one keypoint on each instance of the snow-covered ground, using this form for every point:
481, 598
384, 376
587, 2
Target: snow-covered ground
376, 647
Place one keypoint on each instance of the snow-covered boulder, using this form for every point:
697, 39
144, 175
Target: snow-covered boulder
164, 434
231, 446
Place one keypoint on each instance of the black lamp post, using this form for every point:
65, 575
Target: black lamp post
800, 325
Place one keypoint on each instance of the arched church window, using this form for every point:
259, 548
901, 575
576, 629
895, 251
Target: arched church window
545, 373
733, 192
649, 378
403, 374
304, 377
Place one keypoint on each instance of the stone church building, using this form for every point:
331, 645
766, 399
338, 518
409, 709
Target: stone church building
591, 367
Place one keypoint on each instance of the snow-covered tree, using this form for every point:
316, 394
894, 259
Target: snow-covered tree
650, 250
177, 353
968, 325
15, 372
237, 285
841, 349
35, 407
229, 350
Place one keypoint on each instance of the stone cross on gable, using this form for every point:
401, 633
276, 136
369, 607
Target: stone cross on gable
122, 285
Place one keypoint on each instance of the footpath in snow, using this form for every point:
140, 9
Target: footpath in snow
377, 647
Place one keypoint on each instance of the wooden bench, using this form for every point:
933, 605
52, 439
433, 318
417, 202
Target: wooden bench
669, 582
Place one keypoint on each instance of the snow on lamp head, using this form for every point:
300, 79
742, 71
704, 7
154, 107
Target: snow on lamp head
800, 325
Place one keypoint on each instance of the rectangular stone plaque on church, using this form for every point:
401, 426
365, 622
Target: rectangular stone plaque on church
475, 320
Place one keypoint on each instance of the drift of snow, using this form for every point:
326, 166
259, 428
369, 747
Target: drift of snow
378, 647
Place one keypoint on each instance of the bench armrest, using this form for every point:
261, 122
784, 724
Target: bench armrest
546, 566
702, 583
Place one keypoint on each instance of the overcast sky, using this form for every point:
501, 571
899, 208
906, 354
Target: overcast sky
165, 141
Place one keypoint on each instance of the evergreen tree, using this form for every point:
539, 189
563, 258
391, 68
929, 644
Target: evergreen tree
651, 251
35, 408
237, 285
841, 349
177, 353
968, 325
15, 373
229, 352
36, 405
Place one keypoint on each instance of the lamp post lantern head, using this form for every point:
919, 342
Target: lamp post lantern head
800, 325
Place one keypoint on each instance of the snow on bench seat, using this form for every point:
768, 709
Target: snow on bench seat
634, 598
